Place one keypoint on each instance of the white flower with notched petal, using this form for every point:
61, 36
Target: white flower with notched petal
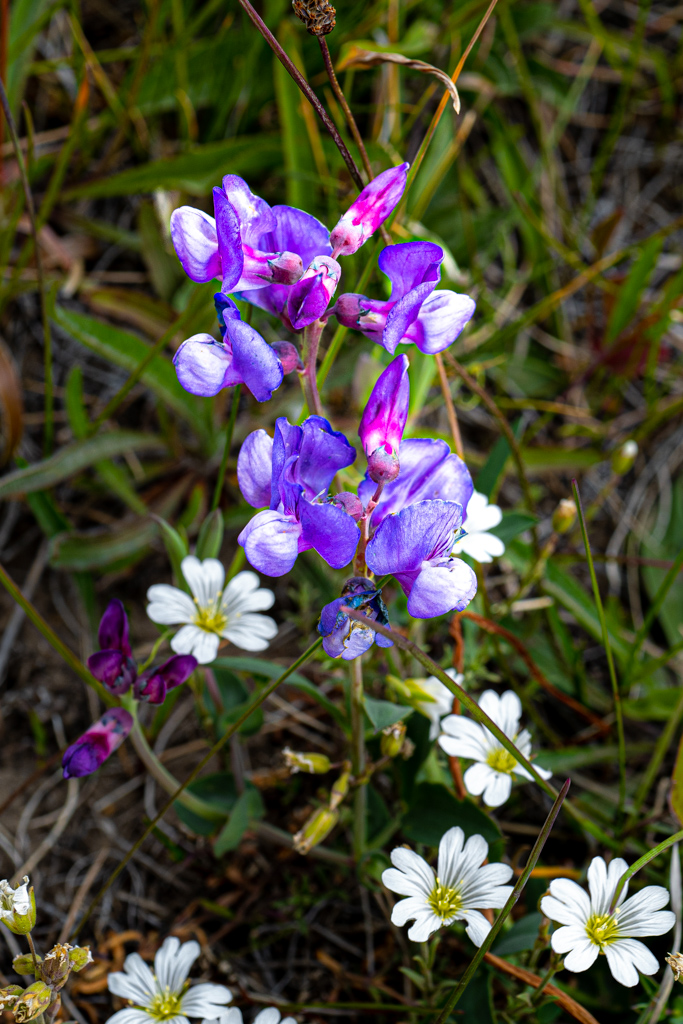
494, 766
478, 543
461, 889
590, 929
14, 901
270, 1016
440, 700
215, 612
163, 996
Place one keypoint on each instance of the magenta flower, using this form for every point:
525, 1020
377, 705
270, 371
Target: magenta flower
206, 366
310, 296
96, 744
153, 684
371, 208
415, 547
384, 419
415, 312
292, 473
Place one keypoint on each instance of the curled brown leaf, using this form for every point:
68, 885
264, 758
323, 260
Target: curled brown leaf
355, 57
11, 406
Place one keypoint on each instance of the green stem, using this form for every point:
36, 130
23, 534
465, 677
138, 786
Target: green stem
309, 355
658, 755
230, 731
640, 863
608, 651
358, 757
155, 650
507, 909
41, 625
48, 435
545, 980
234, 408
339, 93
480, 716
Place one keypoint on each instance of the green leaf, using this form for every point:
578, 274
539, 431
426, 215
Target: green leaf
127, 351
491, 472
74, 458
571, 595
217, 789
80, 551
631, 290
382, 713
194, 172
512, 524
434, 809
676, 798
249, 805
176, 549
270, 670
520, 937
75, 409
210, 535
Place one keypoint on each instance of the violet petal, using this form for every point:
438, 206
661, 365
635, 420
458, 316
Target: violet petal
254, 468
195, 241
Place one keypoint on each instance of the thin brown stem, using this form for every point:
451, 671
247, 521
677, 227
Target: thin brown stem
350, 119
306, 90
309, 354
450, 408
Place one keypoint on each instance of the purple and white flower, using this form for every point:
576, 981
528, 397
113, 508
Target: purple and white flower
372, 207
344, 637
384, 419
97, 743
415, 311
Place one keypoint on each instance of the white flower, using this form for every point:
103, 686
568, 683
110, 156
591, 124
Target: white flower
478, 542
492, 772
441, 702
215, 612
270, 1016
162, 996
461, 889
14, 901
589, 928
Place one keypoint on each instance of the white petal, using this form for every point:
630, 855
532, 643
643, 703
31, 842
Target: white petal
465, 738
574, 897
639, 955
450, 852
231, 1016
415, 867
205, 578
510, 713
173, 961
477, 926
169, 606
482, 547
474, 854
638, 915
251, 632
477, 777
404, 910
243, 594
424, 927
560, 912
269, 1016
621, 963
565, 939
205, 1000
615, 870
193, 640
498, 789
130, 1016
581, 957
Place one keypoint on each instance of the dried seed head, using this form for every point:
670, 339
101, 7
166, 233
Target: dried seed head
675, 962
318, 16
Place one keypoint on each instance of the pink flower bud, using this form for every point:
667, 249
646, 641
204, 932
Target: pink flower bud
96, 744
383, 466
373, 206
310, 296
351, 504
385, 415
288, 354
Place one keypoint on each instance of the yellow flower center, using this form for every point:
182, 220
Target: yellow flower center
444, 901
602, 930
211, 618
165, 1005
501, 761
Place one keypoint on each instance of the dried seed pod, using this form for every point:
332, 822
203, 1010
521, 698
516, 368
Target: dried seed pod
318, 16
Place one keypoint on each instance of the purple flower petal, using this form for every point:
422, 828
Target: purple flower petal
195, 241
271, 542
321, 452
370, 209
153, 686
409, 264
255, 216
229, 240
403, 315
385, 415
310, 296
255, 467
254, 360
96, 744
442, 588
404, 541
288, 354
442, 317
203, 364
114, 669
329, 530
113, 631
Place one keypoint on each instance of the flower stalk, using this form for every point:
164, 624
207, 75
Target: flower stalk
358, 757
309, 354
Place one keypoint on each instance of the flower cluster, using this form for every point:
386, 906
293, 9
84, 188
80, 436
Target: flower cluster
284, 261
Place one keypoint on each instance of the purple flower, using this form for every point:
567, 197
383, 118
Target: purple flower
415, 547
415, 312
114, 665
371, 208
345, 638
310, 296
384, 419
153, 685
206, 366
229, 246
292, 473
94, 747
428, 470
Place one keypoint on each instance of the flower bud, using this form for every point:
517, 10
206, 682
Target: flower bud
33, 1001
371, 208
288, 355
56, 966
386, 413
340, 788
80, 957
318, 16
624, 457
564, 516
9, 996
675, 962
312, 764
383, 466
17, 907
96, 744
392, 739
317, 828
310, 296
23, 964
351, 504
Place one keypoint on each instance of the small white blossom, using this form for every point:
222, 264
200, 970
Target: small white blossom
441, 702
462, 888
478, 543
216, 612
270, 1016
589, 928
161, 996
14, 901
494, 766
